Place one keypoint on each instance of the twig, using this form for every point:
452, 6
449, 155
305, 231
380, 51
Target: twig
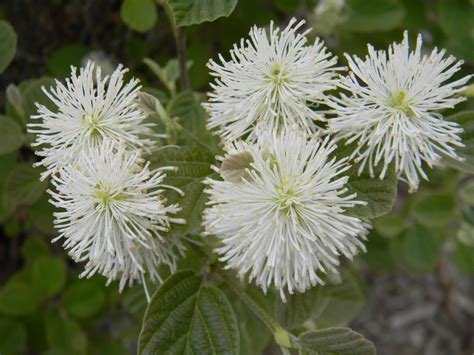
180, 40
181, 50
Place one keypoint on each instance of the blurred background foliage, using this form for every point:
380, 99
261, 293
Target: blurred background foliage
46, 308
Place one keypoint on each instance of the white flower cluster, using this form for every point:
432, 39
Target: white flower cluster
393, 109
285, 220
112, 213
270, 84
280, 210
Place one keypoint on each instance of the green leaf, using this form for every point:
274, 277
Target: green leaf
324, 306
184, 316
379, 194
456, 17
23, 187
464, 258
11, 136
64, 335
434, 210
192, 118
466, 193
192, 12
17, 298
420, 248
335, 341
466, 120
42, 216
84, 298
15, 98
34, 248
139, 15
254, 334
193, 165
7, 45
32, 93
374, 15
12, 337
378, 255
60, 61
465, 233
389, 225
48, 276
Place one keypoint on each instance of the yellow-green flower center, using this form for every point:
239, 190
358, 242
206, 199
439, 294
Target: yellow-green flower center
287, 196
278, 74
400, 102
104, 193
92, 122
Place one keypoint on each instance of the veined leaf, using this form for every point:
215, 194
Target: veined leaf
335, 341
185, 317
379, 194
193, 165
192, 12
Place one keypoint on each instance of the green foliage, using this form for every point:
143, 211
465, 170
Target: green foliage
18, 298
434, 210
60, 61
192, 118
41, 215
254, 336
287, 6
84, 299
45, 308
12, 336
193, 166
48, 276
22, 186
335, 341
139, 15
389, 225
464, 258
11, 136
7, 163
374, 15
8, 41
324, 306
466, 120
134, 301
192, 12
466, 193
379, 194
64, 335
184, 316
456, 18
420, 248
34, 248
